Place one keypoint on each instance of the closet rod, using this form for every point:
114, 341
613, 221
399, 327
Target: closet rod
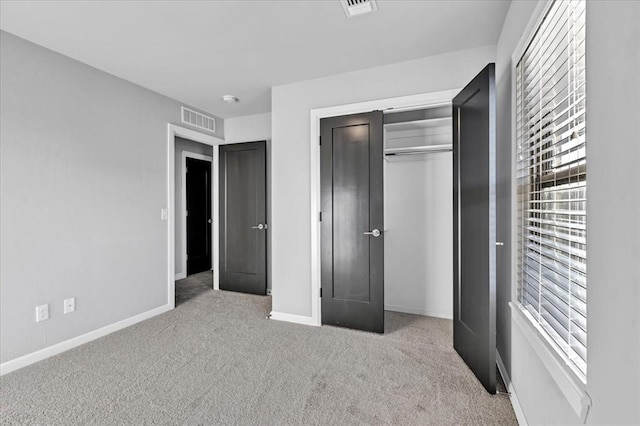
427, 149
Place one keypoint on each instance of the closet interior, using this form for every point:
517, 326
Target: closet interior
418, 211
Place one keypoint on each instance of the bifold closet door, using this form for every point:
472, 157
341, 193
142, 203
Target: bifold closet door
474, 186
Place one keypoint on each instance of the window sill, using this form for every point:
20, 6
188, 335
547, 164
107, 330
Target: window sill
570, 385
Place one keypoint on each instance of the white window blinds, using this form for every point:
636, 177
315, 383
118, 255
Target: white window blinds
552, 180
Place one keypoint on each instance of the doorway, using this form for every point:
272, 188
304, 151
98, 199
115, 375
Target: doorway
405, 103
473, 219
198, 213
418, 204
386, 250
194, 219
187, 150
173, 217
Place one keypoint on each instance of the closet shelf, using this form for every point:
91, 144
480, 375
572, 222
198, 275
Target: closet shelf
419, 124
425, 149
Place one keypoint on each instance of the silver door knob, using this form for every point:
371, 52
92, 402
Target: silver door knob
375, 233
210, 221
259, 226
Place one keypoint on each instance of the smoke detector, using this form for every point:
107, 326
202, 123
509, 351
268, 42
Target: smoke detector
358, 7
230, 99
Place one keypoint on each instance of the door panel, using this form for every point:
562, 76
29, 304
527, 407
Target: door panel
351, 213
243, 245
474, 185
198, 206
241, 199
352, 204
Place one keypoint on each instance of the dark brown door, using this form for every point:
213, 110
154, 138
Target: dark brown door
474, 206
352, 244
243, 218
198, 191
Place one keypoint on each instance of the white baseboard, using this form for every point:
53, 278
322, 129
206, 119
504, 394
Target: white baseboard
515, 402
428, 313
298, 319
23, 361
181, 275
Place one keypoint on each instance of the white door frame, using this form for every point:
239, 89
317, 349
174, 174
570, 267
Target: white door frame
174, 130
182, 214
398, 104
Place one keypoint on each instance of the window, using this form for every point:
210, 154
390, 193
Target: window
552, 181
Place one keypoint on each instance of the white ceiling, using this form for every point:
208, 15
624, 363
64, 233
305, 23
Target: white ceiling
197, 51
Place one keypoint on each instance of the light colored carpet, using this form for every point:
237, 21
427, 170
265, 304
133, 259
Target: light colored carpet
193, 286
216, 359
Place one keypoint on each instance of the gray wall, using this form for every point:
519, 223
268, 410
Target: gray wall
196, 148
291, 106
83, 176
613, 210
248, 128
418, 235
613, 233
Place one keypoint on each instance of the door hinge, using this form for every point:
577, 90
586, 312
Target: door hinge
186, 169
320, 291
320, 138
186, 212
320, 219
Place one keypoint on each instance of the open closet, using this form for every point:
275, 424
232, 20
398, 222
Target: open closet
418, 211
406, 214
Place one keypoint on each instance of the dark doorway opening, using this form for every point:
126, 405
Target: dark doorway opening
198, 215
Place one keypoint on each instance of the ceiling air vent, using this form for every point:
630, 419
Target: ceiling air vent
199, 120
358, 7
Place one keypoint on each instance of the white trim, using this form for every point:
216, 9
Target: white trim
530, 30
181, 275
23, 361
399, 103
515, 402
183, 211
174, 130
298, 319
424, 312
569, 384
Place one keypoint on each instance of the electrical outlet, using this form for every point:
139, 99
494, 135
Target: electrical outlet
69, 305
42, 313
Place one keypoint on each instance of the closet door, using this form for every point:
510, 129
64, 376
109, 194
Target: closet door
474, 184
352, 244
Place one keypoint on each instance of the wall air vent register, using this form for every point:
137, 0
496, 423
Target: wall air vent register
358, 7
198, 120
